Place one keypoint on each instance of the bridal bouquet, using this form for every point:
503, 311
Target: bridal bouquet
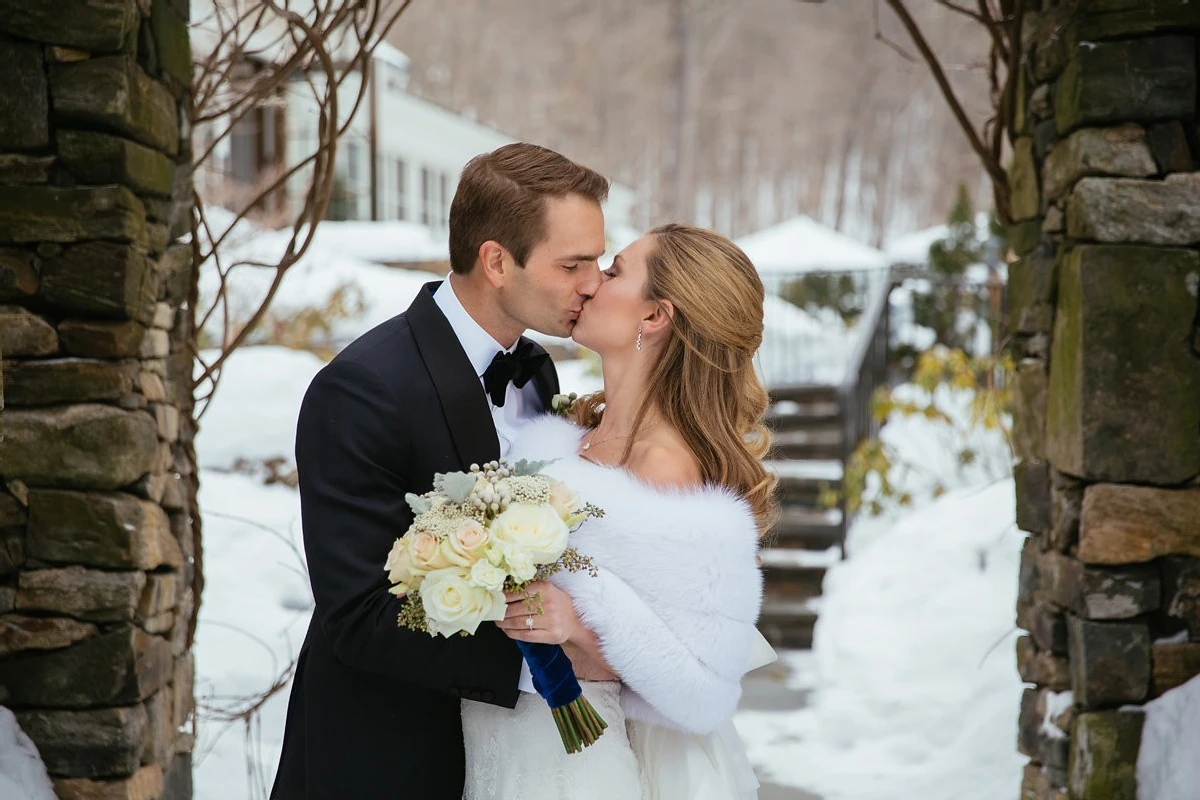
480, 534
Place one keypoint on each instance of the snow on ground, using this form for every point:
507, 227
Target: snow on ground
253, 616
914, 685
327, 265
253, 412
915, 688
22, 773
1167, 767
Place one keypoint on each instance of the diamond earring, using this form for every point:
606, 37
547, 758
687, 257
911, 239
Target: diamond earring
639, 339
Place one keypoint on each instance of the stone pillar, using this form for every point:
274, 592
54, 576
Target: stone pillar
98, 497
1106, 194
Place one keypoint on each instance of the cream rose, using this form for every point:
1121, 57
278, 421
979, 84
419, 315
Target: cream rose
426, 552
488, 576
536, 530
399, 568
466, 544
564, 500
452, 604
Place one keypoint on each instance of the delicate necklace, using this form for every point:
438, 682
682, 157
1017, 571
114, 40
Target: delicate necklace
587, 445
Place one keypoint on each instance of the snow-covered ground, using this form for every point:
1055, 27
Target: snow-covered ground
914, 685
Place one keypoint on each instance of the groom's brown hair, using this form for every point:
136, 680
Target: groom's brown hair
501, 198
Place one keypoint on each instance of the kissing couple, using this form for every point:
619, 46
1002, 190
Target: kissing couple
671, 449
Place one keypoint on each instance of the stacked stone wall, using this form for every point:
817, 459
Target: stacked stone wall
1106, 194
97, 501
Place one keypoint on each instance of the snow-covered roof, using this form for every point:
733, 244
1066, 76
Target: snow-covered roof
802, 244
391, 55
913, 248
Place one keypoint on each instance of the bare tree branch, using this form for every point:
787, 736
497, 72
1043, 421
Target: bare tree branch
985, 154
281, 42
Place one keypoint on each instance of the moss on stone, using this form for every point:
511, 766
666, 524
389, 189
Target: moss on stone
1121, 347
98, 26
1104, 753
115, 94
99, 158
63, 214
1136, 80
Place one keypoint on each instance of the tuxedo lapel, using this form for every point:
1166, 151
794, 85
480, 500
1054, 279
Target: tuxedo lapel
458, 388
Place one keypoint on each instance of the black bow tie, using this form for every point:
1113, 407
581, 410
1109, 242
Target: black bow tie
519, 366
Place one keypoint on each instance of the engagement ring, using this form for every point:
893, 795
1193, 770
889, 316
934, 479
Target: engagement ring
529, 622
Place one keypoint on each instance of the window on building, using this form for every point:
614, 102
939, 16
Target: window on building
428, 201
344, 201
243, 149
353, 168
445, 192
401, 208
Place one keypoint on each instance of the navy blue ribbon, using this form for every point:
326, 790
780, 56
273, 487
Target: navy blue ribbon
553, 676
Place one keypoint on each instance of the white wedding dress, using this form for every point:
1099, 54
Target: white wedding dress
518, 755
673, 604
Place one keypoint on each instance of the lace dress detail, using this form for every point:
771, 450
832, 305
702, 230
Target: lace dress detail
517, 754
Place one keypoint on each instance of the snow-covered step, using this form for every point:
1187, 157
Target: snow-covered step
790, 583
822, 469
789, 415
788, 624
801, 527
811, 443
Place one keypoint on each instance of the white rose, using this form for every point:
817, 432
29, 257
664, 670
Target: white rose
465, 545
488, 576
537, 530
519, 563
425, 551
452, 604
564, 500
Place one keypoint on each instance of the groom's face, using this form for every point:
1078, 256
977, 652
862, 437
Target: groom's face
562, 271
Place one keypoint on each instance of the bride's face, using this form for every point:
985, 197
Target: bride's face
609, 321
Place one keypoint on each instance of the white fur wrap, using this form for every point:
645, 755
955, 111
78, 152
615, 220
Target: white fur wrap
679, 589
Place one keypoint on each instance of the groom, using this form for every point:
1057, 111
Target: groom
374, 709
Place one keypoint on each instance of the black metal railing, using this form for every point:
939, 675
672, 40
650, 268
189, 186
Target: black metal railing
866, 372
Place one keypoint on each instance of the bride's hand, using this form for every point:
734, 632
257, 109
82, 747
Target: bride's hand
543, 613
556, 624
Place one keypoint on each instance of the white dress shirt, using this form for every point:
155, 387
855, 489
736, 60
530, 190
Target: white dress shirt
481, 348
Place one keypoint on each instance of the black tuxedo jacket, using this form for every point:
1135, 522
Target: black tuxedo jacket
374, 709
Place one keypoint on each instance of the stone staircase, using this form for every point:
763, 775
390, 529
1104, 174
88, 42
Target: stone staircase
807, 430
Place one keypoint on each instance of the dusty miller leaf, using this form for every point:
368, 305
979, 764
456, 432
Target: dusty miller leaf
455, 485
417, 503
527, 467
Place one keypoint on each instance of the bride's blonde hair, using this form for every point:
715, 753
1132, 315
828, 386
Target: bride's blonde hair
703, 382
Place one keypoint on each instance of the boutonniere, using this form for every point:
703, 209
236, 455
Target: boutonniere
561, 404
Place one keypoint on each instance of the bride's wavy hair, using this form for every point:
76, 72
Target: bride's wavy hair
704, 382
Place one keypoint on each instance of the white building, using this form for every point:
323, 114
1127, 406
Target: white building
399, 160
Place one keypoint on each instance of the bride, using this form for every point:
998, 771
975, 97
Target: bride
671, 450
